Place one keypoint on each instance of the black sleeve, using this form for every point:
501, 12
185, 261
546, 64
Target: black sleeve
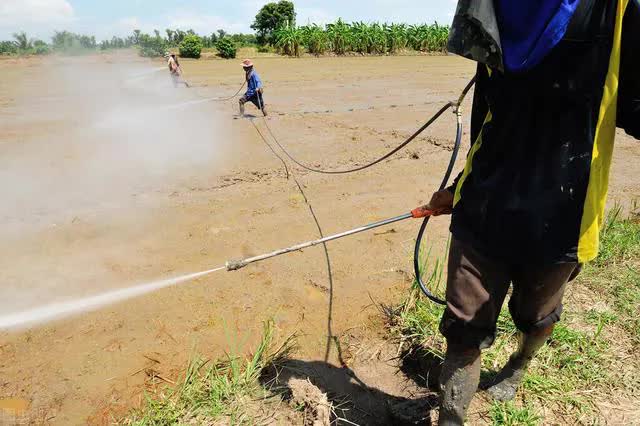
629, 87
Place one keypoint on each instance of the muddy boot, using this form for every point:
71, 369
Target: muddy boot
504, 387
458, 383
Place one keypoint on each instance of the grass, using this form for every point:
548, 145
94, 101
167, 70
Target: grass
586, 361
507, 414
223, 391
589, 363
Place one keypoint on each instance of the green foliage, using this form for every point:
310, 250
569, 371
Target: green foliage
40, 48
152, 46
339, 34
428, 38
619, 240
244, 40
587, 358
359, 37
508, 414
23, 45
271, 17
289, 40
226, 48
68, 42
615, 274
215, 392
315, 39
22, 41
397, 37
119, 43
191, 47
8, 48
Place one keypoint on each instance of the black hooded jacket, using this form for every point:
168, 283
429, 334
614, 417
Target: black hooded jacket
535, 184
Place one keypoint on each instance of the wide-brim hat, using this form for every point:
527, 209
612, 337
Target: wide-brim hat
247, 63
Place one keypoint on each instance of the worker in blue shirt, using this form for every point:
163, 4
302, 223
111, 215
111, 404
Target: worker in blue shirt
254, 88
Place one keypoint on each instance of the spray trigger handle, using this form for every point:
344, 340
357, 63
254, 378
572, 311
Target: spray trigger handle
422, 212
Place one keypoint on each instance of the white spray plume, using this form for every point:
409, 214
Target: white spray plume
88, 151
64, 309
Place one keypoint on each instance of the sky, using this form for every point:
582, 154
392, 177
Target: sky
104, 18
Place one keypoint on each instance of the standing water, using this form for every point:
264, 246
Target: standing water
59, 310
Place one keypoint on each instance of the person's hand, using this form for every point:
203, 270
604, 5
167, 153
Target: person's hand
441, 203
261, 90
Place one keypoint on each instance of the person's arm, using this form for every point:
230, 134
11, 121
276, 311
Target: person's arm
251, 86
259, 86
629, 86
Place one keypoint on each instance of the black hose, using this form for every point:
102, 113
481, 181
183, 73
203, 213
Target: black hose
423, 227
373, 163
443, 185
454, 156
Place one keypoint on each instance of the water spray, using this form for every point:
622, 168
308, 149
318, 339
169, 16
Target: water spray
65, 309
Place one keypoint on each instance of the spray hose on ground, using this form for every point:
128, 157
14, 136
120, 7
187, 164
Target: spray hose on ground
456, 106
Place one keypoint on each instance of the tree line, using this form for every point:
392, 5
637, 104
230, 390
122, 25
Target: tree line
275, 29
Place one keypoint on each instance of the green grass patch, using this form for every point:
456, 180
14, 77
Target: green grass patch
574, 370
619, 240
615, 274
508, 414
221, 391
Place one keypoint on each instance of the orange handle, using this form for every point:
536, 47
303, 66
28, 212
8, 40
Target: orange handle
421, 212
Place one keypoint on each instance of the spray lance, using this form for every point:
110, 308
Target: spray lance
418, 213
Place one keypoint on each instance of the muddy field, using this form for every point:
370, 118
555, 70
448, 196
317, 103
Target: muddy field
106, 185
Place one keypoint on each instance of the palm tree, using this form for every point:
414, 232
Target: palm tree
22, 41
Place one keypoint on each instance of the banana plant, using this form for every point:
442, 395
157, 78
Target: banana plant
289, 39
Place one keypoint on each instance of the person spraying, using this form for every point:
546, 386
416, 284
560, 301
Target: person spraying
254, 88
554, 80
175, 70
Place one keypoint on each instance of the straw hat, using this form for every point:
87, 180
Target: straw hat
247, 63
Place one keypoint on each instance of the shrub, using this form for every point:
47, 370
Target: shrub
8, 48
191, 47
226, 48
41, 48
152, 46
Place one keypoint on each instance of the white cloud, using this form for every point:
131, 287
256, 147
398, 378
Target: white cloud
203, 24
14, 12
314, 15
34, 16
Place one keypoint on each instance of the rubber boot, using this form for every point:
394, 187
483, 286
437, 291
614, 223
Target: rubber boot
504, 387
458, 383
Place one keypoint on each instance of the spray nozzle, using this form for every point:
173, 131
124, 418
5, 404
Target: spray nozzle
234, 265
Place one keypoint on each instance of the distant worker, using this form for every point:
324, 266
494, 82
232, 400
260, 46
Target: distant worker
175, 70
554, 80
254, 88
